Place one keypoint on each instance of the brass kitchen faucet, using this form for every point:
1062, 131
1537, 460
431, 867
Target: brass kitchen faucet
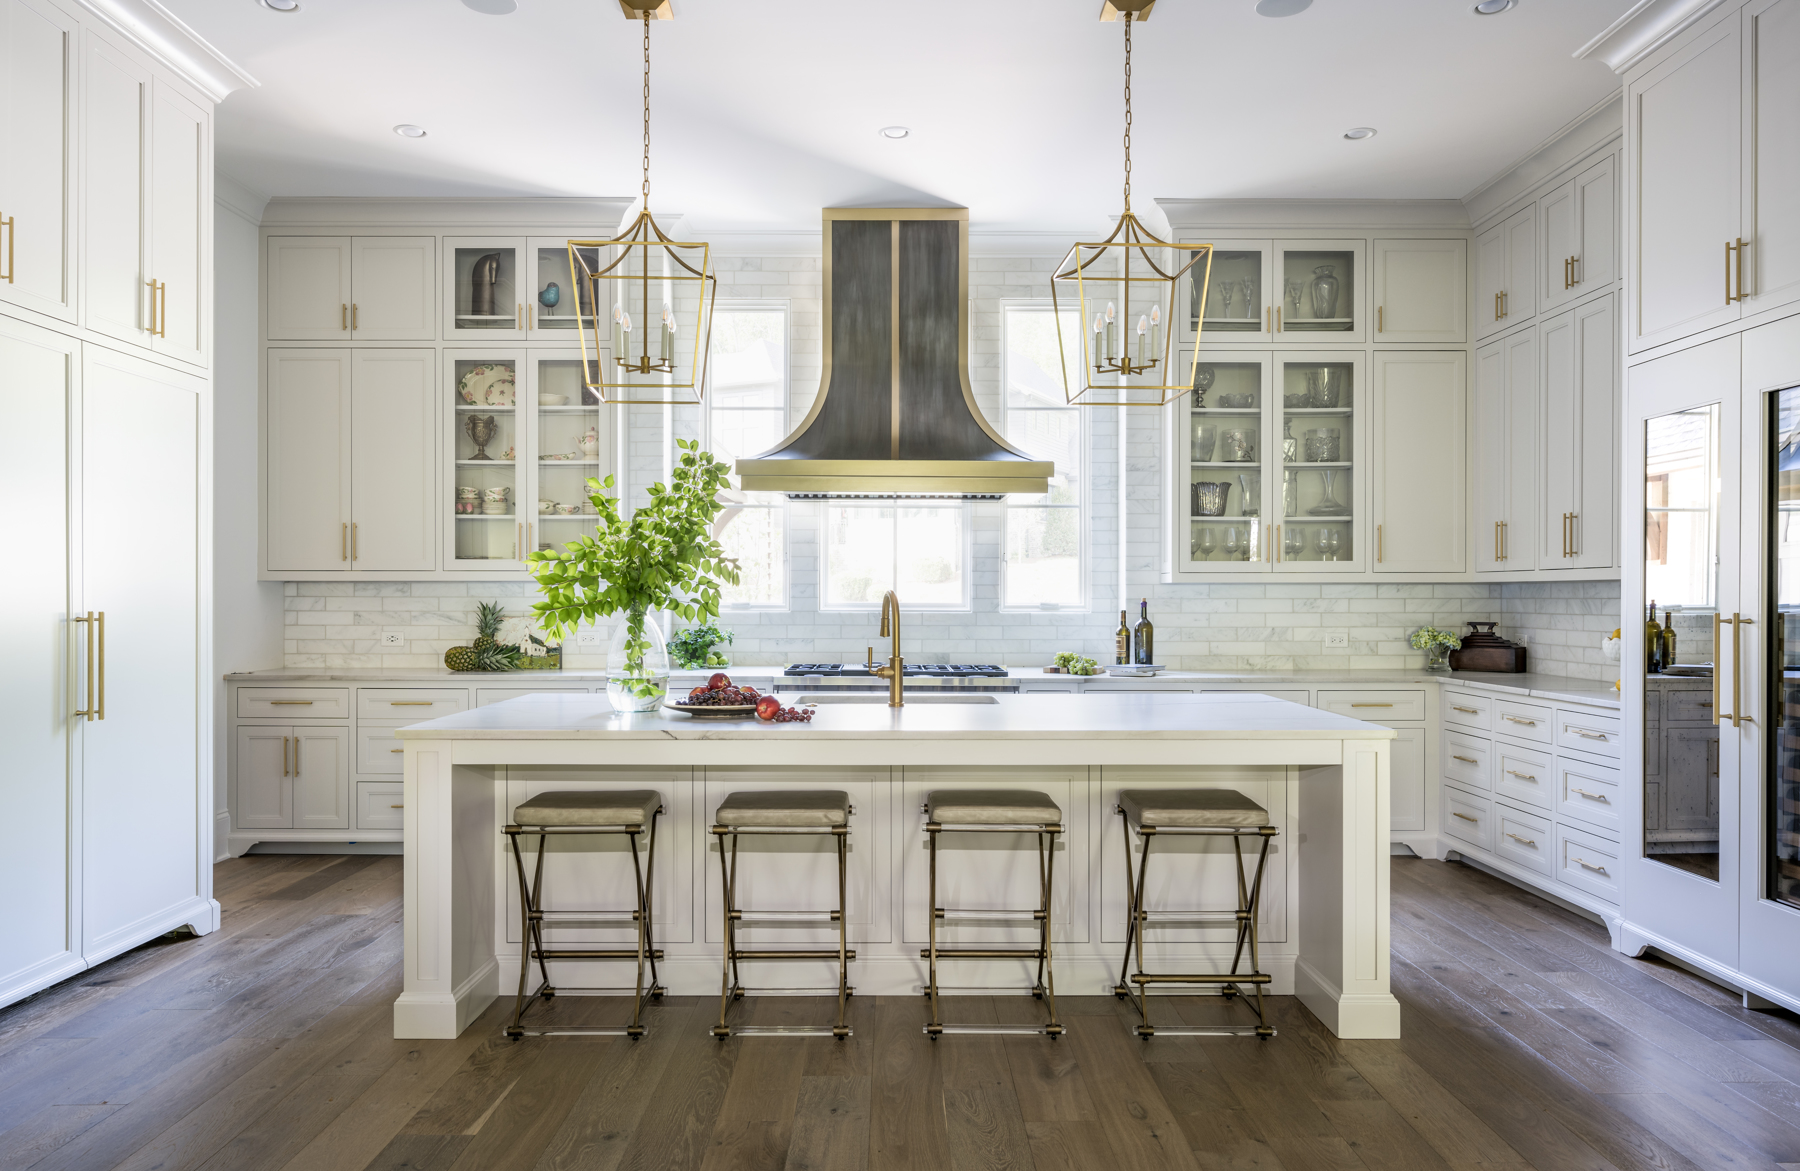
895, 671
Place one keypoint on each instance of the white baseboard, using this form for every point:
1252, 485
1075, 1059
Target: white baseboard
1633, 940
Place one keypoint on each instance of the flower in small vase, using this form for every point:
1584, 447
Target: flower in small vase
1437, 645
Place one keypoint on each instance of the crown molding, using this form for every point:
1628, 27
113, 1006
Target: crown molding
1601, 124
1187, 214
163, 35
475, 214
1646, 27
238, 199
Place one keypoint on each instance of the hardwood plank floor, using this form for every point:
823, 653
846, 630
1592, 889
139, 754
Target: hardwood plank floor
1529, 1046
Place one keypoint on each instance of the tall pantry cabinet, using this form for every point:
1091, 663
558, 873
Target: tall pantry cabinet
105, 336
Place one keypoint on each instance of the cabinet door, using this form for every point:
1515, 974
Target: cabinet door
1520, 302
1578, 405
321, 778
393, 459
1561, 218
114, 202
485, 482
37, 182
1596, 200
1490, 280
1416, 462
38, 942
262, 788
306, 461
1239, 294
1771, 129
1319, 283
1421, 291
180, 191
309, 288
1683, 128
1406, 780
1488, 456
1218, 527
484, 288
394, 290
144, 800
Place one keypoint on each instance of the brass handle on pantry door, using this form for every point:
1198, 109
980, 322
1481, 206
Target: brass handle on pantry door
284, 764
1729, 249
1380, 547
1741, 245
343, 316
355, 318
1737, 622
96, 709
12, 233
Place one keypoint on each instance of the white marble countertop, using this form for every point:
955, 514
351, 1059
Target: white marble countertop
1142, 715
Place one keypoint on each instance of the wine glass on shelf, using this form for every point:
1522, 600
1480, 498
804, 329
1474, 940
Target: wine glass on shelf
1322, 543
1234, 543
1332, 542
1293, 543
1225, 289
1208, 543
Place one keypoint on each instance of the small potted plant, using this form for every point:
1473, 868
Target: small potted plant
664, 558
1437, 645
700, 646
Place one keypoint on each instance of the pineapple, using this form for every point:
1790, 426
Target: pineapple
488, 616
497, 658
460, 658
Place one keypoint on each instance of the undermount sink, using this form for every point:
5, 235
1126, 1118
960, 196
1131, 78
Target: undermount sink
868, 697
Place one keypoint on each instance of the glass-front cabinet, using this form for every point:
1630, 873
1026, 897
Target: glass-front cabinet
1277, 292
526, 437
512, 288
1272, 444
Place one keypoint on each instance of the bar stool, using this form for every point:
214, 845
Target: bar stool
804, 811
1194, 812
994, 811
631, 812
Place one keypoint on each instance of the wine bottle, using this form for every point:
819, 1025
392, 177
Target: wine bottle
1668, 637
1143, 636
1123, 650
1652, 643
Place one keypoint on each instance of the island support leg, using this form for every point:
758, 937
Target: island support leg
1341, 973
450, 974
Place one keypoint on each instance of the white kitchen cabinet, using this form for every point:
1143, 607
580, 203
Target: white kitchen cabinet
308, 297
306, 461
180, 201
291, 777
339, 288
1420, 291
1684, 122
1416, 460
486, 283
1578, 403
1506, 273
1579, 230
1504, 448
115, 199
37, 141
321, 778
1239, 306
1771, 210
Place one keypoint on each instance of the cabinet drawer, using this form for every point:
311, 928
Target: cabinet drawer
1686, 707
1377, 707
378, 750
294, 703
1588, 863
412, 704
1524, 838
1524, 774
1586, 733
489, 695
1589, 792
1468, 760
1467, 710
1466, 817
378, 805
1524, 721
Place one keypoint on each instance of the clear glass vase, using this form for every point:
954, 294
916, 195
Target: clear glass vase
1437, 658
637, 664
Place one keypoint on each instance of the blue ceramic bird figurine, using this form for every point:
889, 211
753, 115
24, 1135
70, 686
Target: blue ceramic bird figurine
550, 296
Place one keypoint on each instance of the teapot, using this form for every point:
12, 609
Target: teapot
590, 443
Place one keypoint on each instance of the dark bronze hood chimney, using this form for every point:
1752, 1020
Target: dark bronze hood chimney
895, 415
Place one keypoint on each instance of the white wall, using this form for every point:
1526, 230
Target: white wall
247, 614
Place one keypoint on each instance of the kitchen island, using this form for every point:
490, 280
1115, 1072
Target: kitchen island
1323, 778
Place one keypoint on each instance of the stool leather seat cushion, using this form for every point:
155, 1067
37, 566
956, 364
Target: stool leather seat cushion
1192, 808
583, 807
786, 808
991, 807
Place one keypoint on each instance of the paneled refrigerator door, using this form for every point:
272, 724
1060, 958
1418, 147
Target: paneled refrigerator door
488, 448
1223, 441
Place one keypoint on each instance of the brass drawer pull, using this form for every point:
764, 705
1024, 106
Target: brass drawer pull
1464, 816
1527, 723
1371, 705
1466, 759
284, 757
1527, 841
12, 233
1593, 796
1586, 865
411, 702
1513, 772
1586, 735
290, 703
396, 750
396, 807
1474, 711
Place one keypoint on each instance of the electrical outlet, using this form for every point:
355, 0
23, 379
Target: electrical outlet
1339, 639
587, 636
392, 638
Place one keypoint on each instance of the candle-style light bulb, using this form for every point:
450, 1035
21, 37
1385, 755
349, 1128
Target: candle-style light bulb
1143, 330
618, 332
1156, 329
668, 330
1110, 314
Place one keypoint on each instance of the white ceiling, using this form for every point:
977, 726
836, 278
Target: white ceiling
767, 110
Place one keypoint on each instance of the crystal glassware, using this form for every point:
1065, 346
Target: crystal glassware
1205, 439
1328, 504
1225, 290
1293, 543
1326, 386
1240, 445
1322, 543
1203, 380
1234, 543
1250, 503
1208, 542
1331, 544
1323, 445
1247, 289
1294, 289
1290, 493
1210, 497
1290, 447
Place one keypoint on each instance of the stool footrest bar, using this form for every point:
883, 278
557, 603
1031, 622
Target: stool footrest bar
790, 1031
1201, 1030
1155, 917
801, 954
576, 1031
565, 953
977, 916
984, 953
746, 919
1203, 978
586, 916
997, 1030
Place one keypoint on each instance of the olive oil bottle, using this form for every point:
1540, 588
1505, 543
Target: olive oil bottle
1668, 637
1652, 643
1123, 649
1143, 636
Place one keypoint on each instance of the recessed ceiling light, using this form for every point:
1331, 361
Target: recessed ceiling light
281, 5
1494, 7
408, 130
1281, 7
1358, 133
492, 7
894, 132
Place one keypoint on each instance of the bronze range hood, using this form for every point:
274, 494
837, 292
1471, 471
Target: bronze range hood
895, 415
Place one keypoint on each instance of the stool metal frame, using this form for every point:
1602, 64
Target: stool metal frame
731, 988
534, 917
1134, 985
1044, 985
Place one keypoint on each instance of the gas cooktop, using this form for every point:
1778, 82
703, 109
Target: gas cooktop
911, 670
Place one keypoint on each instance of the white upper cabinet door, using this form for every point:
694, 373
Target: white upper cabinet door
1683, 120
114, 203
1487, 454
1490, 281
1505, 268
306, 462
1235, 298
37, 175
1416, 461
394, 290
1421, 291
393, 459
309, 288
1772, 154
1579, 223
180, 223
1503, 453
1579, 406
321, 766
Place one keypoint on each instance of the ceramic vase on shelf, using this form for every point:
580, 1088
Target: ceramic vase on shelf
637, 664
1324, 291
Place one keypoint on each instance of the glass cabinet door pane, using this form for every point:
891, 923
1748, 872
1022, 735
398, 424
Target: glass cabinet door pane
487, 288
570, 450
1234, 293
1783, 817
1316, 460
555, 295
485, 448
1318, 289
1224, 501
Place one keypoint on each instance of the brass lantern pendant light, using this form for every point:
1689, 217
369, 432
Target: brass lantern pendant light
1127, 288
645, 307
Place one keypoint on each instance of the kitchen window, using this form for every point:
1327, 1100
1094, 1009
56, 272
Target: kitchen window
1044, 563
746, 414
917, 548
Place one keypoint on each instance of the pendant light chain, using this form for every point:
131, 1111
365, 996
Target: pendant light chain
1128, 112
647, 107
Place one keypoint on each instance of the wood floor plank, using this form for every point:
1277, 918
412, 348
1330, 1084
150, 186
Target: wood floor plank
1218, 1129
675, 1129
1452, 1129
1068, 1146
598, 1129
515, 1135
984, 1131
1139, 1124
420, 1152
831, 1125
49, 1130
1380, 1137
1047, 1080
466, 1098
907, 1127
1697, 1137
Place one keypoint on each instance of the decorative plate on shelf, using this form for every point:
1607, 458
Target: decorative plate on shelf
490, 384
714, 711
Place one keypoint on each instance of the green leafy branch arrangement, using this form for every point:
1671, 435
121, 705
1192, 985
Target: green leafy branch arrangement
664, 558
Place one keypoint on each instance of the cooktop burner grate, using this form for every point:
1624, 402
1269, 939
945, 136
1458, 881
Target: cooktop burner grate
921, 670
